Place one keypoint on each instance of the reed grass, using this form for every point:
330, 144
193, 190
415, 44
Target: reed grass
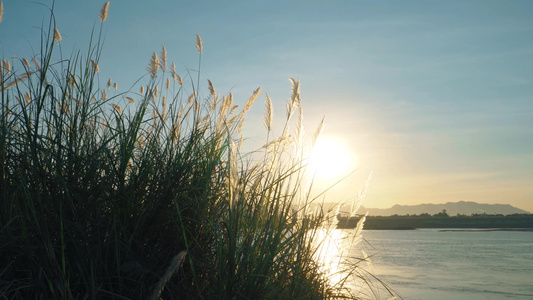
147, 195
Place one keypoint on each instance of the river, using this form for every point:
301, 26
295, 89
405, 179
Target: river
438, 264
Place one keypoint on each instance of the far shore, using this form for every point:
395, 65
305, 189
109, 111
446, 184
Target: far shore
489, 230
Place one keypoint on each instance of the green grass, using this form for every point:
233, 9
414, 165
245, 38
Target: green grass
105, 199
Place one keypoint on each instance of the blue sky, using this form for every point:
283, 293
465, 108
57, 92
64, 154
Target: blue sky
434, 97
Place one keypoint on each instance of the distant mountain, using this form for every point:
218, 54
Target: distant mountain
452, 208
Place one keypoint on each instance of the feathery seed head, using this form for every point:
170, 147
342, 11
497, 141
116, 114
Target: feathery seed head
269, 113
295, 90
36, 63
117, 108
163, 59
1, 11
57, 36
180, 81
95, 66
251, 101
130, 100
211, 87
104, 95
232, 110
299, 126
199, 47
190, 99
173, 69
167, 86
318, 131
7, 66
115, 86
27, 97
153, 67
142, 90
72, 81
109, 83
103, 12
164, 102
26, 63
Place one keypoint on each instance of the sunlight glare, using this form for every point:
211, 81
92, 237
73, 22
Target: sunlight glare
329, 159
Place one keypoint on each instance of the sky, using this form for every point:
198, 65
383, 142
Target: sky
433, 99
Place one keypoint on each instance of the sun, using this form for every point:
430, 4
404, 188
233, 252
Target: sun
329, 159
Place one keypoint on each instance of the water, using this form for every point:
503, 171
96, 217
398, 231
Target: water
436, 264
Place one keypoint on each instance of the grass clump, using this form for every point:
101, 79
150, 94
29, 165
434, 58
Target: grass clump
146, 195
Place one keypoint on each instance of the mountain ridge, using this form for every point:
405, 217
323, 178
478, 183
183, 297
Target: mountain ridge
452, 208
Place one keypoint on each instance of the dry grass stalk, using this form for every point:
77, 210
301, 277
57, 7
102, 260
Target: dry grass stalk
175, 264
103, 12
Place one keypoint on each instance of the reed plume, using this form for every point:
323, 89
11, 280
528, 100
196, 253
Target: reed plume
153, 67
211, 88
36, 63
27, 97
251, 101
318, 131
269, 113
103, 12
199, 47
7, 66
1, 11
95, 66
57, 36
25, 62
117, 108
163, 62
